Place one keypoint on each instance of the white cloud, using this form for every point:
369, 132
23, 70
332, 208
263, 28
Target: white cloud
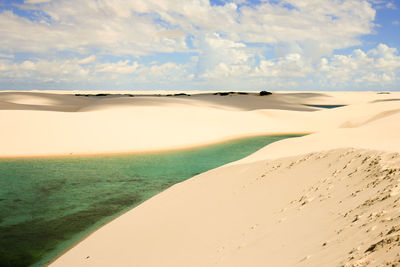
36, 1
89, 59
290, 66
311, 27
121, 67
88, 70
140, 27
84, 25
166, 72
378, 66
381, 4
281, 43
44, 71
6, 56
235, 67
391, 5
222, 57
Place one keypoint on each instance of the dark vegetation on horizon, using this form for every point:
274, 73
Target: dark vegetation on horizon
262, 93
265, 93
89, 95
230, 93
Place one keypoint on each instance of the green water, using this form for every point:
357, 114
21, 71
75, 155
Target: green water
49, 204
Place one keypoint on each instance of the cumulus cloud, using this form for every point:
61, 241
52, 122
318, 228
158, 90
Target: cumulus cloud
290, 66
167, 72
391, 5
36, 1
141, 27
44, 71
287, 44
357, 70
109, 27
377, 66
222, 57
89, 70
87, 60
121, 67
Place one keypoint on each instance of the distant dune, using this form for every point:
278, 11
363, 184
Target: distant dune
62, 123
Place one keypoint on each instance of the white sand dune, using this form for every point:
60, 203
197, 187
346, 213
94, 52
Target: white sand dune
321, 209
330, 198
378, 134
62, 124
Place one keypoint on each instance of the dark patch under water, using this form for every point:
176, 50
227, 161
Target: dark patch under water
325, 106
23, 243
49, 204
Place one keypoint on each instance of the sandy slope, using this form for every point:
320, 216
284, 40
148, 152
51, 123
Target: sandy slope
321, 209
326, 208
378, 134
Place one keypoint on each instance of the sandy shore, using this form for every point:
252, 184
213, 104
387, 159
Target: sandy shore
327, 199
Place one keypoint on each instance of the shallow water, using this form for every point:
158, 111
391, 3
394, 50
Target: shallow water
49, 204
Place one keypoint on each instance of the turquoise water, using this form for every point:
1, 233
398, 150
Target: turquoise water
49, 204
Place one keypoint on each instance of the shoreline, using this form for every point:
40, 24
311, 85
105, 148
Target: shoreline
136, 213
127, 173
172, 149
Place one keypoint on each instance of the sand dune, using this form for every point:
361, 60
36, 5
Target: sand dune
65, 124
330, 198
382, 134
333, 208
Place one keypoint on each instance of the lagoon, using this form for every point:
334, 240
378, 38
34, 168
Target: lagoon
48, 204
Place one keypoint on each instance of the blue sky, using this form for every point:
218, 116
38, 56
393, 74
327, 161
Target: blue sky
200, 45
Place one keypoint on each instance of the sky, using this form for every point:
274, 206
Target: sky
200, 45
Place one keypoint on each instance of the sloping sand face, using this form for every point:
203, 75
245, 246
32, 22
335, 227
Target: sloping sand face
332, 208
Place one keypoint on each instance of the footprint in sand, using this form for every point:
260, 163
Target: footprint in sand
305, 258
